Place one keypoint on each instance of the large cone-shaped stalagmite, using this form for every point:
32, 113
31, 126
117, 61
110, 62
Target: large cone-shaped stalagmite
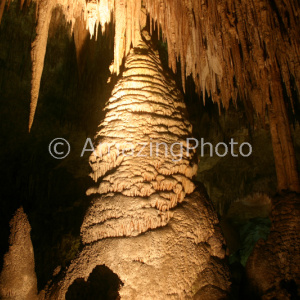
18, 278
147, 222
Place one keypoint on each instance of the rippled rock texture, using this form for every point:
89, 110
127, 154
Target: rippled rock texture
147, 223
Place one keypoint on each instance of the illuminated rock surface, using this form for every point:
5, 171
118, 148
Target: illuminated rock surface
141, 158
18, 279
233, 49
146, 223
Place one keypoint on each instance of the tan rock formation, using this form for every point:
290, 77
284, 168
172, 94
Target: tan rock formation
146, 223
18, 278
182, 260
141, 158
231, 48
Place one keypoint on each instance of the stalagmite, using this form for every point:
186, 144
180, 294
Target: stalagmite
18, 279
134, 226
143, 109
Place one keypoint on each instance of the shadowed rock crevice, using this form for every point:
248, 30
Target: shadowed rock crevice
102, 284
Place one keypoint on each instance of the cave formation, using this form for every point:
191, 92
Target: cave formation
146, 229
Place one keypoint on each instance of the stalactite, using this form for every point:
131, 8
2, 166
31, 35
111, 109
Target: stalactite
285, 160
229, 47
128, 18
223, 42
80, 36
38, 52
2, 7
22, 3
120, 27
232, 48
105, 9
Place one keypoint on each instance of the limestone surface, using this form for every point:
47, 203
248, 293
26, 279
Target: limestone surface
147, 223
18, 279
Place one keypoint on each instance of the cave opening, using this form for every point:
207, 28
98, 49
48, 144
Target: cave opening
102, 284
